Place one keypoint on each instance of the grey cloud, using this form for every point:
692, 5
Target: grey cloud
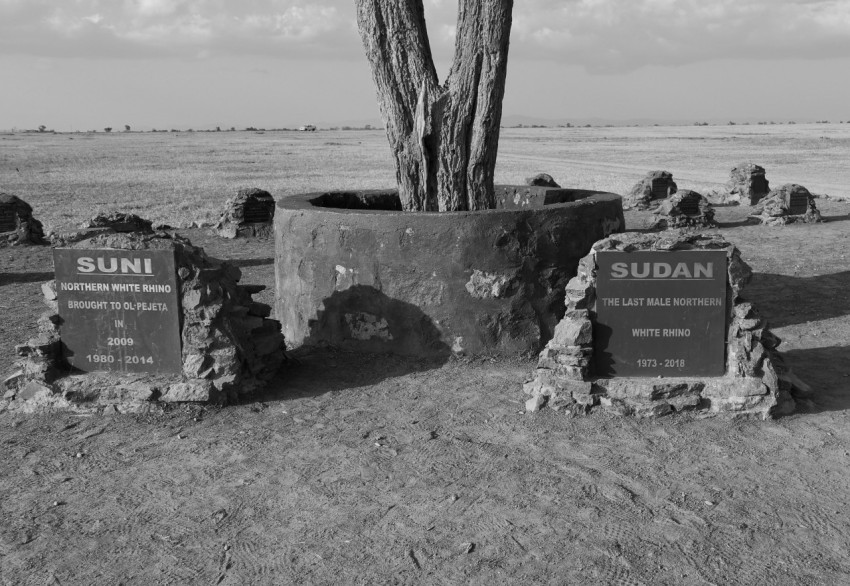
602, 35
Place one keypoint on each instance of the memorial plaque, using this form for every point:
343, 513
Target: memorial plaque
661, 313
758, 184
798, 203
689, 206
119, 309
8, 218
257, 212
659, 189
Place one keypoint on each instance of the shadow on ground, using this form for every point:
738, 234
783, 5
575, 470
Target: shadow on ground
251, 262
360, 337
784, 300
316, 371
827, 371
9, 278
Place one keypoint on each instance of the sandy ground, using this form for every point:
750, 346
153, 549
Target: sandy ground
354, 470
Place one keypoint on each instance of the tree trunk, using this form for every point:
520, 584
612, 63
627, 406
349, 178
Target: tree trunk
444, 138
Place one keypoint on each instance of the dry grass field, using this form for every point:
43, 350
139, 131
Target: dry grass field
180, 178
381, 470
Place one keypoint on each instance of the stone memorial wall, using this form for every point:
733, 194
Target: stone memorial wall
678, 336
656, 186
786, 205
250, 213
684, 209
106, 338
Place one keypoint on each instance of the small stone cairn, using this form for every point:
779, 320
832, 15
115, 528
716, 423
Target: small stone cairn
747, 185
785, 205
104, 223
250, 213
756, 384
684, 209
120, 223
542, 180
17, 225
657, 185
230, 347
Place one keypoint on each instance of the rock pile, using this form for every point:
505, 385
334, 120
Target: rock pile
657, 185
785, 205
250, 213
230, 347
756, 382
542, 180
17, 225
103, 224
747, 185
684, 209
120, 222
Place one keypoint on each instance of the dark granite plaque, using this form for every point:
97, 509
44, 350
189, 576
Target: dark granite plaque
690, 206
659, 189
8, 218
660, 313
758, 184
257, 212
119, 309
798, 203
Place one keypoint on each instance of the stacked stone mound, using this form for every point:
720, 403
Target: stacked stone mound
786, 205
120, 222
756, 383
103, 224
747, 185
541, 180
657, 185
684, 209
17, 225
230, 347
250, 213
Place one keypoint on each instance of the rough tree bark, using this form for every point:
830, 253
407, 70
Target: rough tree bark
444, 137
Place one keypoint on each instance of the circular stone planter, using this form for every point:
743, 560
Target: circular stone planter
353, 270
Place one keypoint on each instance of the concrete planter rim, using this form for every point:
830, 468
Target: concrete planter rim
304, 201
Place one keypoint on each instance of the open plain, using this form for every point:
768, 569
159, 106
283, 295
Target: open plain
353, 470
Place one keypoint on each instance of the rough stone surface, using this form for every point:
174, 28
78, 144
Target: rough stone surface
684, 209
657, 185
747, 185
476, 283
784, 205
120, 222
757, 383
542, 180
103, 225
512, 197
18, 227
250, 213
229, 346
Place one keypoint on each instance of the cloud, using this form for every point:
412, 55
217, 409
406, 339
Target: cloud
602, 35
144, 28
623, 35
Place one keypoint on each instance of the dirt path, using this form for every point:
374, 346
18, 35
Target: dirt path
382, 470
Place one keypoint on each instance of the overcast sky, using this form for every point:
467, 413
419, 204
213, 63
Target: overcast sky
87, 64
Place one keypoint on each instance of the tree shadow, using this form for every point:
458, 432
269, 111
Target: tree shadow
735, 223
359, 338
10, 278
315, 371
251, 262
826, 371
364, 319
786, 300
835, 218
